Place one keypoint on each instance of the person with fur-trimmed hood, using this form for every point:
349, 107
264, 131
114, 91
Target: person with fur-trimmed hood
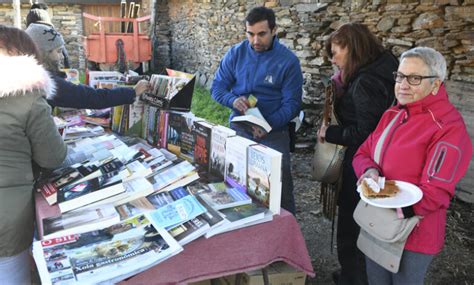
29, 136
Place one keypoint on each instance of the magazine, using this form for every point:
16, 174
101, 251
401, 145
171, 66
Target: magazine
111, 254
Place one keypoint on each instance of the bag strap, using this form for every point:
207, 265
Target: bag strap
379, 145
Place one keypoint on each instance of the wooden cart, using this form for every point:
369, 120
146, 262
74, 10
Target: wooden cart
102, 47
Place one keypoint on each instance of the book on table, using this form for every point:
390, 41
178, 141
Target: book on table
134, 189
87, 192
218, 145
220, 196
264, 176
240, 216
202, 145
80, 221
192, 228
177, 212
111, 254
135, 207
252, 118
236, 161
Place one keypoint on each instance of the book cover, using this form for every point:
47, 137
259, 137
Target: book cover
80, 221
170, 175
187, 137
49, 186
218, 144
190, 230
80, 194
264, 176
237, 217
252, 118
202, 146
221, 196
134, 188
177, 212
213, 217
174, 130
111, 254
135, 207
236, 162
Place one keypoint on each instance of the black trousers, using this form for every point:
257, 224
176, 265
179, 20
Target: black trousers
351, 259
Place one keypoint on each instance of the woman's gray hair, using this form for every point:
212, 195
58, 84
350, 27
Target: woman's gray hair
432, 58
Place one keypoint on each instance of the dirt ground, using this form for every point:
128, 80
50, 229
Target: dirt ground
454, 265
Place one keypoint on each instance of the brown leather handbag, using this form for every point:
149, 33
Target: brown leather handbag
328, 157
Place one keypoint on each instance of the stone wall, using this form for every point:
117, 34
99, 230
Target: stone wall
66, 18
193, 35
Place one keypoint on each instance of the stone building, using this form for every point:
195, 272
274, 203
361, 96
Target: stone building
193, 35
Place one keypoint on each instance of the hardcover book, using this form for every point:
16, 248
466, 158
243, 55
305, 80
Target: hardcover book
264, 176
236, 161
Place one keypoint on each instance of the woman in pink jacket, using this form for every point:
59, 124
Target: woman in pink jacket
429, 146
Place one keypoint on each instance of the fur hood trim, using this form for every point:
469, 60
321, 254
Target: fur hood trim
22, 74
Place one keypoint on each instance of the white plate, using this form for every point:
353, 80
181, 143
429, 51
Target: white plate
408, 195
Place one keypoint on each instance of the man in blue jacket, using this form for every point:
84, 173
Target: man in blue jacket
263, 67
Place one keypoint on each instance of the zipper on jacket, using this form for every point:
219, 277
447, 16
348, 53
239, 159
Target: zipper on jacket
438, 164
405, 118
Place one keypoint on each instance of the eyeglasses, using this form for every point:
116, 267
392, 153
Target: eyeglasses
412, 79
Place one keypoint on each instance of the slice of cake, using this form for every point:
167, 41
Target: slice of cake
389, 190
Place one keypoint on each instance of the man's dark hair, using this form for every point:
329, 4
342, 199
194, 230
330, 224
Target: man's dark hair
259, 14
42, 6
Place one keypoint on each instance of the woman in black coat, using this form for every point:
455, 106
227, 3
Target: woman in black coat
364, 90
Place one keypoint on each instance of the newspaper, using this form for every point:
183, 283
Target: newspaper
109, 255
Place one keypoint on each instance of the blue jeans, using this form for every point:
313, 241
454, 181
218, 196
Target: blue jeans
280, 141
413, 267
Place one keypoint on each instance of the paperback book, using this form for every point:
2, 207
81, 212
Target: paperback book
87, 192
236, 162
264, 176
221, 196
80, 221
252, 119
218, 145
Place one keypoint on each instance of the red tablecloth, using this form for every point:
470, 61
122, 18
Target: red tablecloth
233, 252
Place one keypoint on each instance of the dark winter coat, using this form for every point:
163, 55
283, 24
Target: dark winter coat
81, 96
368, 94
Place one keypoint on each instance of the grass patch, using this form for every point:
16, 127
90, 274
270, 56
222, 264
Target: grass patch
205, 107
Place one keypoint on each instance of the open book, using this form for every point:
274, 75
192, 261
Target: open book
252, 118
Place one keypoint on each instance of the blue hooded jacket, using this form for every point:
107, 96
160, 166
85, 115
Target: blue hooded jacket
274, 77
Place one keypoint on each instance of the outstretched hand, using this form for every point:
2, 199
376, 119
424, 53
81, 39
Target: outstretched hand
141, 87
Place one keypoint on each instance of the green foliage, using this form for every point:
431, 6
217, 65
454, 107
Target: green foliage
205, 107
